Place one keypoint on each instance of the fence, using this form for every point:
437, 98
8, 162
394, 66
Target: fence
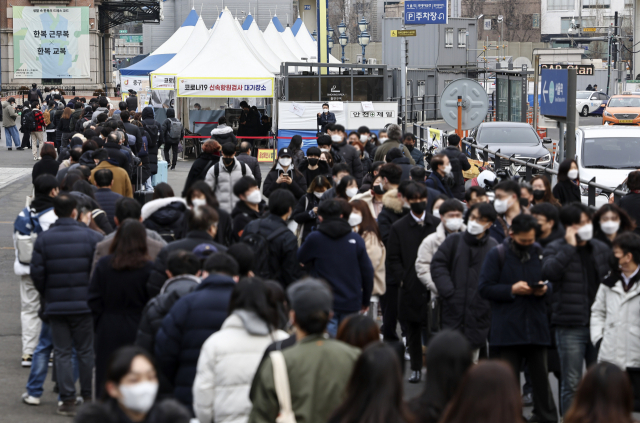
500, 160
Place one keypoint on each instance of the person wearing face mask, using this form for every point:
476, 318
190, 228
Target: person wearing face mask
324, 144
459, 162
306, 211
348, 152
353, 137
367, 181
222, 176
394, 132
338, 172
526, 195
614, 314
131, 393
373, 197
392, 202
548, 218
405, 238
339, 256
284, 175
609, 222
313, 166
200, 194
250, 207
507, 205
454, 269
512, 279
567, 190
441, 178
575, 264
325, 118
346, 188
395, 156
364, 158
542, 191
368, 140
409, 141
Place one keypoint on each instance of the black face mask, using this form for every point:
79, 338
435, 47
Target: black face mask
313, 162
227, 161
520, 247
377, 189
418, 208
538, 194
409, 147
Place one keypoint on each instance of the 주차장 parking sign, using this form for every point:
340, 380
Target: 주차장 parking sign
554, 85
425, 12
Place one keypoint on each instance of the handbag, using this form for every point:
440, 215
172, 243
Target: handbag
283, 391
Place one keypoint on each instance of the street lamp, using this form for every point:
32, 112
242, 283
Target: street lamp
363, 39
343, 42
330, 31
342, 28
363, 25
329, 43
314, 34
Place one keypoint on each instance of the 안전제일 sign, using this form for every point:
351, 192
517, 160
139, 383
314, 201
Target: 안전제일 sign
51, 42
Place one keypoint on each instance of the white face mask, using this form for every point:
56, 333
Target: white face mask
447, 169
501, 206
325, 150
364, 139
285, 161
436, 213
474, 228
325, 110
610, 227
585, 232
351, 192
336, 138
382, 139
140, 396
572, 174
255, 197
318, 194
453, 224
355, 219
197, 202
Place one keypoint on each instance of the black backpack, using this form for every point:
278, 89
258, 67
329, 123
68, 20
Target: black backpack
33, 95
154, 134
260, 246
30, 121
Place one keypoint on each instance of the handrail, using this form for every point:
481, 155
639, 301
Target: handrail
530, 165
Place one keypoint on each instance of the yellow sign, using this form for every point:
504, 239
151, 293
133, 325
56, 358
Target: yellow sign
588, 30
403, 32
265, 155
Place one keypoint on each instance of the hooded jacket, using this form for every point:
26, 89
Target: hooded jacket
221, 387
164, 411
132, 103
351, 157
304, 215
338, 255
242, 214
99, 110
199, 170
165, 216
149, 120
224, 134
39, 204
392, 210
323, 169
74, 119
223, 187
9, 115
405, 165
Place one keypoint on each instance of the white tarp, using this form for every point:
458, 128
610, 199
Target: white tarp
351, 116
175, 43
219, 72
293, 45
277, 44
306, 42
255, 37
271, 66
163, 78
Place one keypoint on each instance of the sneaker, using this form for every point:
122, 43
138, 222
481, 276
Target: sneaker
172, 167
19, 148
527, 400
79, 401
51, 361
35, 159
26, 360
407, 356
9, 148
28, 399
67, 408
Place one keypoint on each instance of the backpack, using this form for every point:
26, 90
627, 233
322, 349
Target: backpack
216, 173
154, 134
30, 121
175, 129
79, 127
26, 228
260, 246
33, 95
144, 150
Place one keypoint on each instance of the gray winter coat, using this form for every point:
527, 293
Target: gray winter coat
223, 189
9, 115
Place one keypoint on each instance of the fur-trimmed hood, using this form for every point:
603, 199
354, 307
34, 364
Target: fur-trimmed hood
390, 200
153, 206
221, 130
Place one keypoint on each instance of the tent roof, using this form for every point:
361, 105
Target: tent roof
305, 41
254, 36
192, 47
147, 65
212, 62
273, 67
293, 45
277, 24
296, 26
192, 18
277, 44
247, 22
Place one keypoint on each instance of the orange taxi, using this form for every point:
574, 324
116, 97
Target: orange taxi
623, 109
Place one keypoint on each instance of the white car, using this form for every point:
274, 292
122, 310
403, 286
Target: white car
607, 153
588, 102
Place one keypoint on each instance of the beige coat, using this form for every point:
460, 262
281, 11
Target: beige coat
377, 255
426, 251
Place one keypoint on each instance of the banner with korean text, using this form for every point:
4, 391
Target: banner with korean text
163, 81
51, 42
225, 87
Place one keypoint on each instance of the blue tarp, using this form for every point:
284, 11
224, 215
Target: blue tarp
247, 22
296, 26
192, 19
288, 133
277, 24
147, 65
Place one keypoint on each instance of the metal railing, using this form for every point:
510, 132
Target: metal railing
500, 160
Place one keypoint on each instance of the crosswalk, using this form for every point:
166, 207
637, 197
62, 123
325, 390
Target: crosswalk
12, 174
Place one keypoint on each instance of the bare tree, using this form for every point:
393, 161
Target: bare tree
349, 12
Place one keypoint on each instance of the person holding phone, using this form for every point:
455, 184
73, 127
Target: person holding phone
284, 175
326, 118
512, 280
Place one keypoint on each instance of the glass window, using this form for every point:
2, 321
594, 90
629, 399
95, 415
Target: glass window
507, 134
335, 88
503, 96
588, 4
421, 87
303, 89
565, 24
515, 99
448, 37
583, 95
611, 153
560, 5
367, 89
462, 37
625, 102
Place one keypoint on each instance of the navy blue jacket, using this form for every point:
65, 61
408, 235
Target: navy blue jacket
515, 319
107, 200
325, 119
338, 255
191, 320
61, 264
434, 182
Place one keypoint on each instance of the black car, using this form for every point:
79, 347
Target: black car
511, 138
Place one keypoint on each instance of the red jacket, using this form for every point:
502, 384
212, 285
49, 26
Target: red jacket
39, 118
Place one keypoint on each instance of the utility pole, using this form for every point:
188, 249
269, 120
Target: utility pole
403, 79
609, 60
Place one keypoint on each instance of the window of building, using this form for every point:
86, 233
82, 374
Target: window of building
462, 37
628, 3
561, 4
596, 4
448, 37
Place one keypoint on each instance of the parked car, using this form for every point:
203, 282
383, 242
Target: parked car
590, 102
511, 138
623, 109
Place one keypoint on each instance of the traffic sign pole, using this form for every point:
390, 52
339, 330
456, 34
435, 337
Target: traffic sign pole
459, 128
403, 81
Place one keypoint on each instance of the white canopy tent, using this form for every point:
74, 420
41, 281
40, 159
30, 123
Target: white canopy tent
277, 44
262, 55
254, 36
293, 45
306, 41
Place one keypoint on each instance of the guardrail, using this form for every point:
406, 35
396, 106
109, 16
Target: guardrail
500, 160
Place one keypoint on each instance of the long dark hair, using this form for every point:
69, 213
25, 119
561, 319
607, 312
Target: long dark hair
564, 168
604, 396
129, 247
205, 189
368, 222
448, 359
374, 392
341, 188
319, 181
548, 194
626, 223
487, 394
252, 294
358, 330
295, 144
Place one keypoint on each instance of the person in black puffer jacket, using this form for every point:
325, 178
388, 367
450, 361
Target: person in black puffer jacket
210, 156
165, 213
156, 137
306, 211
171, 144
349, 153
223, 133
459, 162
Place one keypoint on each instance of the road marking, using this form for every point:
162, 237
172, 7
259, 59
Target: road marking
12, 174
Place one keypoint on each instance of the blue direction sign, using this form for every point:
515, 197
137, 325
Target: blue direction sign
425, 12
554, 86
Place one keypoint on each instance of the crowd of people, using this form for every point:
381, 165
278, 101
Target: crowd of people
251, 299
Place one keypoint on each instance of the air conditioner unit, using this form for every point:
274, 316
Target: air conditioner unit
372, 61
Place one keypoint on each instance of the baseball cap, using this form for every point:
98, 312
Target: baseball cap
309, 296
284, 152
203, 251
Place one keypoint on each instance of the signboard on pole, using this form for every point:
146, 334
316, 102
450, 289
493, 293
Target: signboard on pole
580, 69
425, 12
555, 86
403, 33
